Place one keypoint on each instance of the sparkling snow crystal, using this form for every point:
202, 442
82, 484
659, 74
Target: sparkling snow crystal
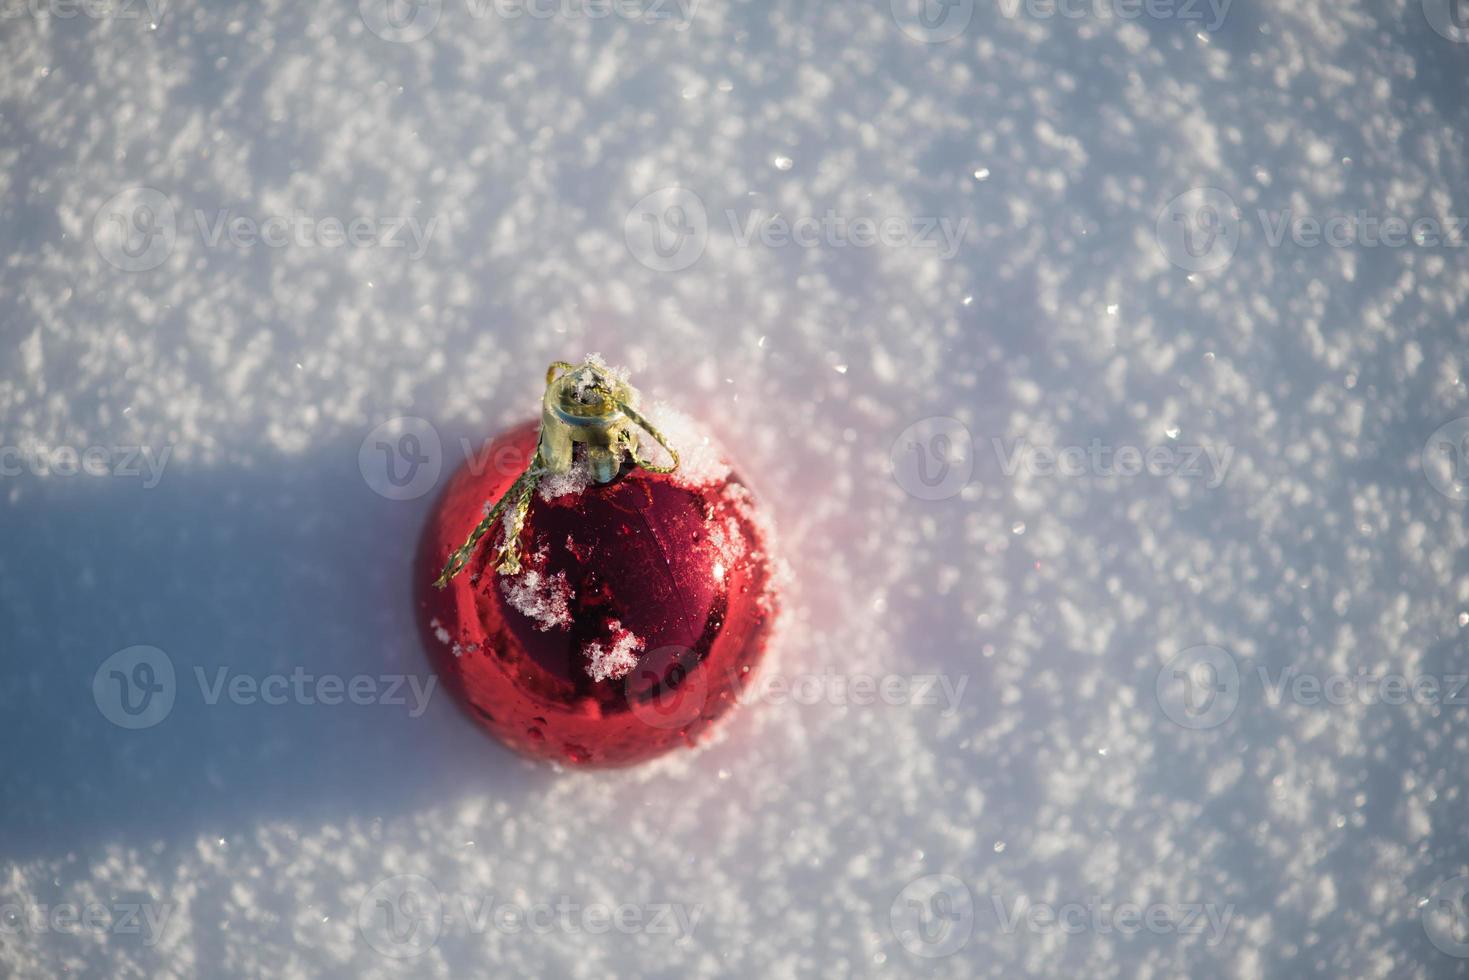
614, 661
544, 598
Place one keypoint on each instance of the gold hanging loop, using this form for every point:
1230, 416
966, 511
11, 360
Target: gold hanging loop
583, 404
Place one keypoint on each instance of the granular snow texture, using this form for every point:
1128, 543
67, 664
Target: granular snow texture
1088, 460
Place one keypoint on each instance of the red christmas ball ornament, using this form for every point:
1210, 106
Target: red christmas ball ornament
619, 601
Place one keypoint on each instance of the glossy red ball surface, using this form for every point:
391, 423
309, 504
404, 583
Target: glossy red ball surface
640, 613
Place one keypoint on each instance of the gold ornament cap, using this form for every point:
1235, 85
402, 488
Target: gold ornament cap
586, 404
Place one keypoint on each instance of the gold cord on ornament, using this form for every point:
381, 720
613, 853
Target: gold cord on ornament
584, 404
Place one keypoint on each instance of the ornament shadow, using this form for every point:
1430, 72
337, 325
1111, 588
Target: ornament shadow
289, 568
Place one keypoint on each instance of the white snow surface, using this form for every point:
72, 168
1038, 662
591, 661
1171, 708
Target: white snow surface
267, 838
